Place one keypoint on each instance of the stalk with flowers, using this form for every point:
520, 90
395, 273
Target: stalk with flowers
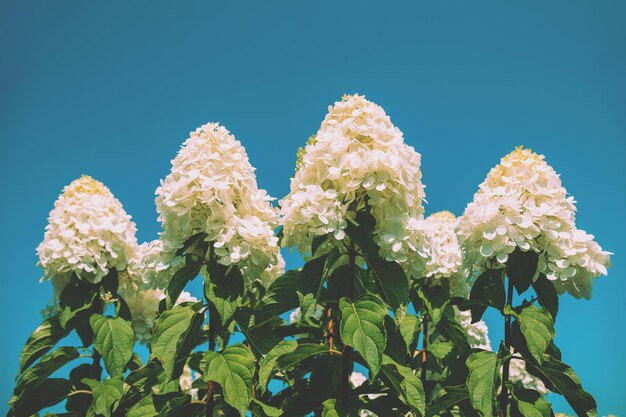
383, 319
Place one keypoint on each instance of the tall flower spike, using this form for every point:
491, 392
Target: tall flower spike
358, 153
445, 258
88, 234
212, 189
522, 204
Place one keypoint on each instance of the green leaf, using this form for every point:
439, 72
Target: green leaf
362, 327
529, 403
521, 268
285, 355
259, 408
441, 349
106, 395
405, 384
488, 290
262, 338
537, 328
281, 296
232, 369
560, 378
362, 232
179, 280
391, 282
335, 408
41, 341
224, 305
310, 285
37, 374
481, 382
49, 392
546, 294
114, 340
174, 335
409, 327
144, 408
447, 398
270, 361
224, 288
435, 298
77, 300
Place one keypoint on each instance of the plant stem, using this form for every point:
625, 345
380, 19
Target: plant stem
424, 347
346, 359
210, 385
504, 394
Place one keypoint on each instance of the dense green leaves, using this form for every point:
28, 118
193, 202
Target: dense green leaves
391, 281
481, 382
173, 337
37, 374
41, 341
49, 392
113, 339
285, 355
537, 328
189, 271
521, 268
562, 379
546, 295
362, 327
488, 290
403, 381
529, 403
106, 395
232, 369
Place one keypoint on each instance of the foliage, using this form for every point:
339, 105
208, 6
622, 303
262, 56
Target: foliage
298, 343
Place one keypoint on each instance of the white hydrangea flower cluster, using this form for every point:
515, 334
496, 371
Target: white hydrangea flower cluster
272, 272
445, 258
477, 333
212, 189
518, 373
358, 153
88, 234
186, 382
153, 265
522, 204
143, 304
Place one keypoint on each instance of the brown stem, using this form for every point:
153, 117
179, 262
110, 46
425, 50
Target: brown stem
331, 328
504, 394
424, 347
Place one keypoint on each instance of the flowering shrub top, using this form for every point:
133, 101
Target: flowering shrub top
88, 233
358, 155
522, 204
212, 190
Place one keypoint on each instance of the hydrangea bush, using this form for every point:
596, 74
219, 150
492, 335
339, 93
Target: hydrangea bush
383, 319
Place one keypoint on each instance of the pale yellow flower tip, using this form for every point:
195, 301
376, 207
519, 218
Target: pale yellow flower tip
86, 185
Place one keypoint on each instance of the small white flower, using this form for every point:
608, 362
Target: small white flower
477, 333
445, 258
358, 155
212, 189
88, 234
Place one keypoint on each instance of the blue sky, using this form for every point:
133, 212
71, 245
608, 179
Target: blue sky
112, 90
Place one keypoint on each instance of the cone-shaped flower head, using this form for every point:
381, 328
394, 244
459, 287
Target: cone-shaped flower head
212, 189
445, 258
522, 204
88, 234
357, 153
